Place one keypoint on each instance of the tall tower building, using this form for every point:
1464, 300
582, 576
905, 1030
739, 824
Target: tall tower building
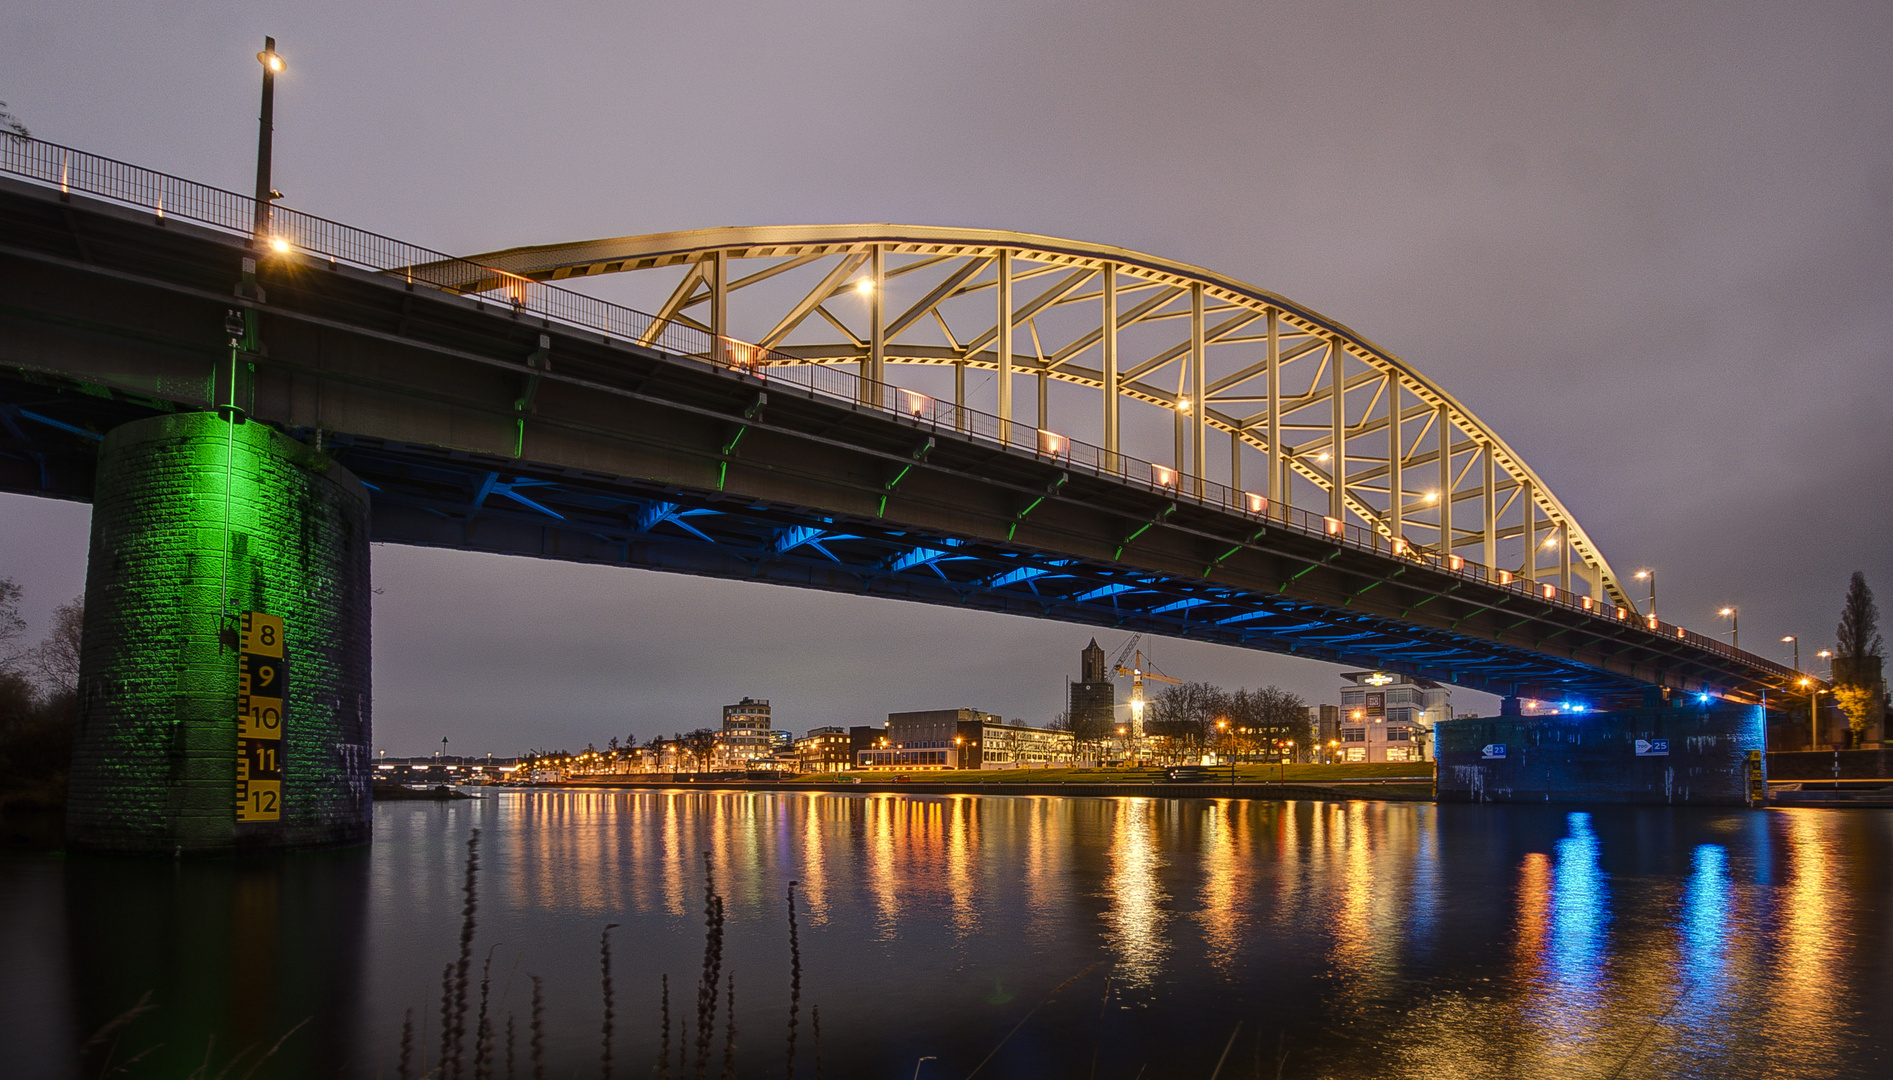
1093, 702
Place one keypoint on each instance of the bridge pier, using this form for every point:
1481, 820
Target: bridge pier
195, 522
1684, 753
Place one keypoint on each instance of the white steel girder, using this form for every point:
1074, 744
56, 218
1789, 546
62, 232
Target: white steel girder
1237, 347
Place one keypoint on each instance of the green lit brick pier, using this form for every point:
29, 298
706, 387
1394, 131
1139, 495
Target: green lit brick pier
196, 520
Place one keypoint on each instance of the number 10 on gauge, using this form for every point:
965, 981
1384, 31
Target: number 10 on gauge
262, 686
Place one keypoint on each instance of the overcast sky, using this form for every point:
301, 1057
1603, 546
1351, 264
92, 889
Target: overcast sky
1647, 243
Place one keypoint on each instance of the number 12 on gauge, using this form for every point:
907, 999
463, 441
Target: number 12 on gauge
262, 687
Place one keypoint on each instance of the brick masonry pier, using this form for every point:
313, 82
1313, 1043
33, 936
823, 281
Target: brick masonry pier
1685, 754
177, 554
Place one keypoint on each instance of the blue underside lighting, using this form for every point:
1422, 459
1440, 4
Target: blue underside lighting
1179, 605
794, 537
1023, 573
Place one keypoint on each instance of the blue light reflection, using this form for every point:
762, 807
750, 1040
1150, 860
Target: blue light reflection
1580, 912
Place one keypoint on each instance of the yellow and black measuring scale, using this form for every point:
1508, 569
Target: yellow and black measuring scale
262, 685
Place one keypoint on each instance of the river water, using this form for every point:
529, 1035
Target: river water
1108, 938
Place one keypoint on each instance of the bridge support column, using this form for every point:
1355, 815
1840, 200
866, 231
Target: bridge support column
194, 522
1696, 754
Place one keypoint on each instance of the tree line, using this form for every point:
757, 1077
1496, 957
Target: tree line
39, 702
1186, 720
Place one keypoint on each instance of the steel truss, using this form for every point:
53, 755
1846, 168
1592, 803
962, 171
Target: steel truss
1330, 417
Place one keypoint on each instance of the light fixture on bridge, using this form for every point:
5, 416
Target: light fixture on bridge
1333, 525
1323, 456
279, 245
1505, 577
865, 286
1183, 404
1432, 496
1258, 504
1052, 444
272, 60
1551, 592
1455, 562
914, 403
1163, 477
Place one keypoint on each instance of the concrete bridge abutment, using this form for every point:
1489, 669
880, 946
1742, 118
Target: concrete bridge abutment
228, 573
1684, 753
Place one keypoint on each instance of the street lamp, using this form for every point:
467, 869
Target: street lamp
266, 127
1814, 713
1797, 653
1651, 575
1734, 615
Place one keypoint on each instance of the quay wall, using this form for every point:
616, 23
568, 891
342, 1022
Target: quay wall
1677, 755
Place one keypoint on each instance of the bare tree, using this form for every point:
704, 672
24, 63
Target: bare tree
1183, 718
700, 745
1264, 721
11, 126
56, 659
13, 650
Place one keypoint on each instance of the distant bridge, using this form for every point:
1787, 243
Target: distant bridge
489, 409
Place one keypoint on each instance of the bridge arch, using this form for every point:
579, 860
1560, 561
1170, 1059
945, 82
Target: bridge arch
1330, 416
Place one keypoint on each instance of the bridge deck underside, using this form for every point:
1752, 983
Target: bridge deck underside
430, 498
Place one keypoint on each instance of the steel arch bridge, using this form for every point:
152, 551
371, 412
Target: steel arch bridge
1284, 384
490, 407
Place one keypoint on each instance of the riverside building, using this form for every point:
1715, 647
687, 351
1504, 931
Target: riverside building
940, 739
1389, 717
746, 734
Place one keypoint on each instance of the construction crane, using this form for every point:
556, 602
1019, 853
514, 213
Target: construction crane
1137, 675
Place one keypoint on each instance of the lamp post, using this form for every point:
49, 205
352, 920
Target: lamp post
1651, 576
265, 128
1797, 652
1734, 615
1814, 714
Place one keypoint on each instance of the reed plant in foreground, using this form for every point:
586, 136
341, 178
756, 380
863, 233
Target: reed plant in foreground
604, 963
795, 985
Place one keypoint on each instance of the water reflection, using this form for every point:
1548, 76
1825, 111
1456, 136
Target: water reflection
233, 956
1136, 917
1378, 939
1580, 913
1808, 957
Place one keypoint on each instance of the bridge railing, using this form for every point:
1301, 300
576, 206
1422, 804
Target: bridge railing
291, 232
